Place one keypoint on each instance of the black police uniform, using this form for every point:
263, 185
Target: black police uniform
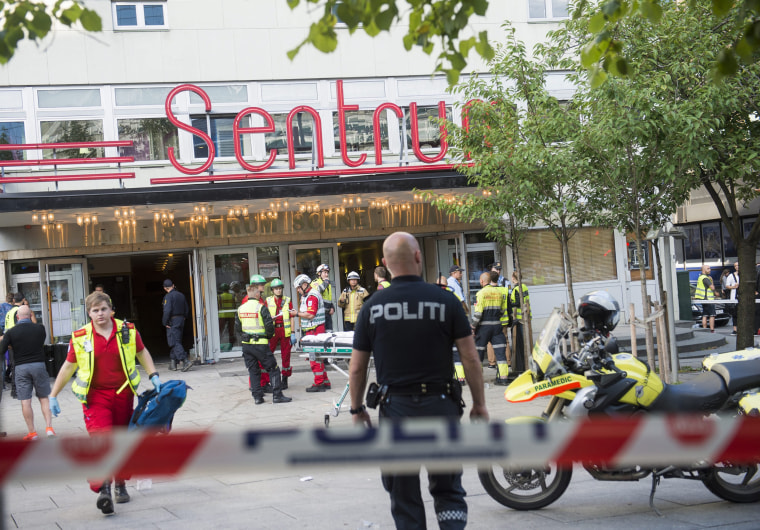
253, 354
176, 311
410, 330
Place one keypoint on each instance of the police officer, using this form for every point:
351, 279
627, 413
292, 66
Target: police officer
410, 329
254, 322
176, 311
490, 308
321, 284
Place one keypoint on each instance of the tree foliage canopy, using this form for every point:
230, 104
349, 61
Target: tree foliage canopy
23, 19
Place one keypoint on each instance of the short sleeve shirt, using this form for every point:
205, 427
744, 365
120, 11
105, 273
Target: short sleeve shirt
410, 331
731, 281
107, 369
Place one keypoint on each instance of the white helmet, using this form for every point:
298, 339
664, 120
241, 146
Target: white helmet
353, 275
323, 267
300, 280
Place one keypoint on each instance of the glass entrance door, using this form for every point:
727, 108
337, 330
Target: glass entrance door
304, 259
233, 269
63, 295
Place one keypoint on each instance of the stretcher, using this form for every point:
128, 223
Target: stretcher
328, 348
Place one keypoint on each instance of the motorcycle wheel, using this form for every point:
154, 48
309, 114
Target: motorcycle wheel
733, 482
526, 489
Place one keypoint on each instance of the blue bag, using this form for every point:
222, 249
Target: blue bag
156, 409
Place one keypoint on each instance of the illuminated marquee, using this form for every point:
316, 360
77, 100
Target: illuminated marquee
269, 127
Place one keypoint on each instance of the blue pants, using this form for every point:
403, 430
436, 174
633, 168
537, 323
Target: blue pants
448, 494
174, 338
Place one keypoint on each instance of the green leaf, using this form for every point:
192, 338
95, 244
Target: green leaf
91, 20
726, 63
452, 76
596, 23
598, 77
590, 55
652, 11
721, 7
40, 23
12, 36
409, 41
384, 19
323, 38
466, 45
293, 4
73, 13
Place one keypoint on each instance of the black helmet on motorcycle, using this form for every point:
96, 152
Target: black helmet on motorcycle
599, 311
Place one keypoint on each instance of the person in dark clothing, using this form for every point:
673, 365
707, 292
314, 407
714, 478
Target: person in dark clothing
176, 311
410, 329
26, 340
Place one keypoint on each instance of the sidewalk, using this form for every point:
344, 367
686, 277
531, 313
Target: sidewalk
352, 499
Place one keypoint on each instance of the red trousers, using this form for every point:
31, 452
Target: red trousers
105, 409
317, 368
285, 346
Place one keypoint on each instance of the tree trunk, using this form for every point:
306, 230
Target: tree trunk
527, 329
648, 337
568, 271
745, 325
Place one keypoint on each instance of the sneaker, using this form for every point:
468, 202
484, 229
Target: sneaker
316, 388
31, 436
733, 333
492, 366
50, 432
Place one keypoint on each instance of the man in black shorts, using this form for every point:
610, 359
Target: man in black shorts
410, 329
27, 340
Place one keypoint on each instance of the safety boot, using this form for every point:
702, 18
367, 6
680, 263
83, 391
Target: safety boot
277, 396
284, 382
173, 366
120, 493
105, 502
258, 400
268, 388
186, 365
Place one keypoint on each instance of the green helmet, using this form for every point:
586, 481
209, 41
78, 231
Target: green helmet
276, 283
256, 279
224, 287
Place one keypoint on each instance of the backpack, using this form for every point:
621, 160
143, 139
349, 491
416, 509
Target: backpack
156, 409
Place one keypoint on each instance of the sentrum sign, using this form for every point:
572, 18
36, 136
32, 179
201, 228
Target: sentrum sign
269, 127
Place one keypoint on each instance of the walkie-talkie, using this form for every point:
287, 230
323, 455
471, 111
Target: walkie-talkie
124, 333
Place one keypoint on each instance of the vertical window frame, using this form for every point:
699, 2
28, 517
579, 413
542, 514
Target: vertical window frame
140, 15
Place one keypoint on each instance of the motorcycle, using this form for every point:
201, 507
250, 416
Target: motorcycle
594, 379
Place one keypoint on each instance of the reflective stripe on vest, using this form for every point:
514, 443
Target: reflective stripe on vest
703, 293
325, 291
252, 322
319, 318
127, 354
490, 306
10, 317
272, 306
517, 306
384, 284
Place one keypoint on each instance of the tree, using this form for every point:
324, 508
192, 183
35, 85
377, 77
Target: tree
670, 128
24, 19
428, 20
603, 52
521, 142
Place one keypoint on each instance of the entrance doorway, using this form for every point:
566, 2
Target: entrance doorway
135, 285
361, 257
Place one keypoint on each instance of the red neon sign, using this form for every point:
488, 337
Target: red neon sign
318, 143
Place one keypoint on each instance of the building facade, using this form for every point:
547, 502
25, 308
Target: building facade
181, 142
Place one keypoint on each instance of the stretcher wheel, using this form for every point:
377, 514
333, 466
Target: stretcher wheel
327, 420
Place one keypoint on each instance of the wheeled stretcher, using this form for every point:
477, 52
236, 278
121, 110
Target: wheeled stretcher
328, 348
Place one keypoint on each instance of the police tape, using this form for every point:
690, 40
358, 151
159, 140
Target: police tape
399, 446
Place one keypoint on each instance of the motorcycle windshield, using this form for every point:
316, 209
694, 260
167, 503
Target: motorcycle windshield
549, 348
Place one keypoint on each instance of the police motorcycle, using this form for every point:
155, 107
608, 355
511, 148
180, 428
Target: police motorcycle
596, 379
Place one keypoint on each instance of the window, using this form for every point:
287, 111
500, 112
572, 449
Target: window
592, 256
360, 133
77, 97
139, 15
303, 133
151, 136
547, 9
72, 131
12, 133
221, 135
428, 127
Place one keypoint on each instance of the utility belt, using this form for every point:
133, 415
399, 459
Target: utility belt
377, 394
279, 325
250, 337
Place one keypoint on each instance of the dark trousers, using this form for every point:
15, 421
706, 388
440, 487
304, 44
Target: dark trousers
448, 494
174, 338
253, 354
494, 334
518, 355
348, 326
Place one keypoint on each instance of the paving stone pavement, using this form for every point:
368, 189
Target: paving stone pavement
339, 498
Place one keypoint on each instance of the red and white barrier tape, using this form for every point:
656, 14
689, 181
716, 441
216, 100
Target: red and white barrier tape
645, 440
